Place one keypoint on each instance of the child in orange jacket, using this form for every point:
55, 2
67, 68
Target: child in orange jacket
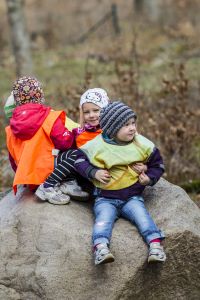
34, 136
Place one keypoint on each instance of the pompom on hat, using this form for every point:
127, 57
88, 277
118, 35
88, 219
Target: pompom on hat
96, 96
114, 116
27, 90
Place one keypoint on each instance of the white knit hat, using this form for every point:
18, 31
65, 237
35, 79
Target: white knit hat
97, 96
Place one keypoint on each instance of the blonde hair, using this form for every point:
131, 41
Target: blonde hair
81, 117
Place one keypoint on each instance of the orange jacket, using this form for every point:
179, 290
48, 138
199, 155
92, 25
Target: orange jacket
86, 136
33, 157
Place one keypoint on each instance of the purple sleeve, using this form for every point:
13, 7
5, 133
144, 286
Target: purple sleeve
83, 166
12, 162
61, 137
155, 166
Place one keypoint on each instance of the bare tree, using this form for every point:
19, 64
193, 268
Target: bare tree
19, 37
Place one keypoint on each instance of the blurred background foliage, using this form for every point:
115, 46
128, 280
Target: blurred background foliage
151, 61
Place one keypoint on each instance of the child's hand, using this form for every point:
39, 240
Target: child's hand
139, 167
102, 176
144, 179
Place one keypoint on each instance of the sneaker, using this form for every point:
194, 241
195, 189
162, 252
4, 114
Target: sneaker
103, 255
52, 195
72, 189
156, 253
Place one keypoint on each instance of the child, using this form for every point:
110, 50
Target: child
90, 105
34, 136
109, 161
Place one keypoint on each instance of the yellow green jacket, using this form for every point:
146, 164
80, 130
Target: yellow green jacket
118, 159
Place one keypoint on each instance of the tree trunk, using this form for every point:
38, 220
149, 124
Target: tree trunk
19, 37
151, 8
138, 6
154, 9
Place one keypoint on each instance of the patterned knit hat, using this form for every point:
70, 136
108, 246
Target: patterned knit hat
26, 90
114, 116
97, 96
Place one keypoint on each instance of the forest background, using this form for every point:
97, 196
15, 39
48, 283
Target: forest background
144, 52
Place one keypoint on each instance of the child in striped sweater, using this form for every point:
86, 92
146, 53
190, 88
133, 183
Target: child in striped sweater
64, 174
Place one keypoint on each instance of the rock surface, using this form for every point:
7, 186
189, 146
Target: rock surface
45, 251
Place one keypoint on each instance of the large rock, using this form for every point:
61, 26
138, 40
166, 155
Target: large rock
46, 251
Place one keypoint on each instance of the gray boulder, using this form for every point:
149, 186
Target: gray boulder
45, 251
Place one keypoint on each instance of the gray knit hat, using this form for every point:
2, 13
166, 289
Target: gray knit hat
114, 116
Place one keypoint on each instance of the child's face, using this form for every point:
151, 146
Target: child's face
91, 113
127, 132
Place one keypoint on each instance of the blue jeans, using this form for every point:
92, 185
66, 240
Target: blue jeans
107, 210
